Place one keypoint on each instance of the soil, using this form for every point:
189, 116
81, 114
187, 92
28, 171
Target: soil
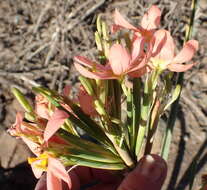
38, 40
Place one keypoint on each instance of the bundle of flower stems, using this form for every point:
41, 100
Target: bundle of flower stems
121, 97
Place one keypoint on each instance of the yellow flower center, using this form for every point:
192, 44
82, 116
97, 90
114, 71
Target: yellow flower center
159, 64
40, 162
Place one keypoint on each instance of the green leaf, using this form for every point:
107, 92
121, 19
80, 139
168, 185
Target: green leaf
84, 144
98, 41
22, 100
99, 25
175, 95
95, 156
87, 85
83, 121
136, 110
71, 160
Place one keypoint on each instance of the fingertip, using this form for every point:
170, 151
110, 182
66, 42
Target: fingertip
150, 173
41, 184
153, 167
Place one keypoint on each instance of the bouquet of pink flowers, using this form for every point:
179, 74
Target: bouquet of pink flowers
121, 97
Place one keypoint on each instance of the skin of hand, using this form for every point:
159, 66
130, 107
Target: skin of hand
150, 173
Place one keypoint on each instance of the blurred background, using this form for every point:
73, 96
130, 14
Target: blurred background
38, 39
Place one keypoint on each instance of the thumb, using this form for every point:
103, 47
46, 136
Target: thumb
150, 173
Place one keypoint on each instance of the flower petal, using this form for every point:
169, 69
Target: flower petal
138, 73
36, 171
85, 72
164, 47
94, 75
119, 20
119, 59
57, 170
41, 107
34, 147
53, 183
138, 65
180, 67
16, 127
66, 90
137, 48
56, 120
84, 61
114, 28
151, 19
87, 62
187, 52
86, 102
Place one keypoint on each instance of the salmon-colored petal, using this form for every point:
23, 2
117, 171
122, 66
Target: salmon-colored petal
119, 59
187, 52
34, 147
36, 171
41, 107
86, 103
84, 61
138, 73
115, 28
164, 47
55, 122
180, 67
119, 20
151, 19
19, 119
85, 72
93, 75
30, 129
16, 127
137, 48
56, 168
88, 63
138, 65
42, 110
53, 183
66, 90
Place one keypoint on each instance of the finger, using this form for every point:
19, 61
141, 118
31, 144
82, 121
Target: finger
149, 174
41, 184
84, 174
90, 175
105, 176
104, 187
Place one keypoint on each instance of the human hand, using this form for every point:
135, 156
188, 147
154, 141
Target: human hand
150, 173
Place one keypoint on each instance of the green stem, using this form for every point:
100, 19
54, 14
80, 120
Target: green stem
144, 116
122, 151
149, 88
154, 119
174, 108
136, 101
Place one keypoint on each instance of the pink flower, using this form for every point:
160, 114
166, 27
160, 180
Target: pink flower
149, 22
56, 172
86, 102
42, 107
23, 128
28, 132
120, 63
57, 119
34, 136
66, 90
161, 52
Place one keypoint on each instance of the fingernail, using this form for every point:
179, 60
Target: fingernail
150, 168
